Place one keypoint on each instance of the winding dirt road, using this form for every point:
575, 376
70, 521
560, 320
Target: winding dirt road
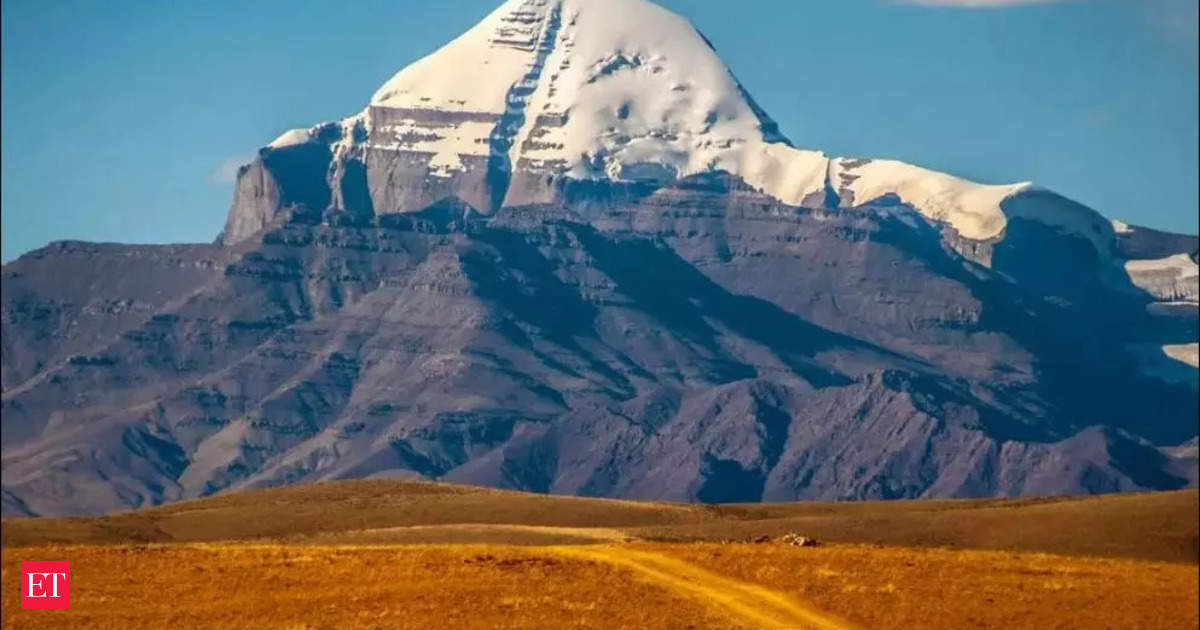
746, 603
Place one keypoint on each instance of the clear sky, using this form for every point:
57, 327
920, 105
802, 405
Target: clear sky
123, 121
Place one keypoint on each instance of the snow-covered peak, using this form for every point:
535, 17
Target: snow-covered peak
618, 89
583, 57
624, 90
474, 72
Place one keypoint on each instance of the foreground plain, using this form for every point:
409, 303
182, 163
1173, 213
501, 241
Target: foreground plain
385, 554
642, 585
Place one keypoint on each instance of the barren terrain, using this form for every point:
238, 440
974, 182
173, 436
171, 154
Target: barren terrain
413, 555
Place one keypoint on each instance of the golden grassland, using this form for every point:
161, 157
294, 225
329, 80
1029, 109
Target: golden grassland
612, 585
390, 554
883, 587
293, 587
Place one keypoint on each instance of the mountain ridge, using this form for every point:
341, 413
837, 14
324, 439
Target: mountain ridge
652, 330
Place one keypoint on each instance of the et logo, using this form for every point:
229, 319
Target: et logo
45, 585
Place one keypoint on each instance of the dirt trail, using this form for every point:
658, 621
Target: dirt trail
747, 603
482, 531
595, 533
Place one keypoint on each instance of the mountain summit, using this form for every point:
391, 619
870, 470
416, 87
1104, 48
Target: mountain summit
545, 92
568, 253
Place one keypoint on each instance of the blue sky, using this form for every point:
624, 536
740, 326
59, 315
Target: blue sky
119, 116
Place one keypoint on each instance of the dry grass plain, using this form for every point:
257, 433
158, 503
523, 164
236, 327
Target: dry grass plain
297, 587
1155, 526
890, 587
667, 585
402, 555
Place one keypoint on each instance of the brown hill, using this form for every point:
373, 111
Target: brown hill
1157, 526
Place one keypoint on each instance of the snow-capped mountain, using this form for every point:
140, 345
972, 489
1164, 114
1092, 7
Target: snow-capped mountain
542, 92
568, 253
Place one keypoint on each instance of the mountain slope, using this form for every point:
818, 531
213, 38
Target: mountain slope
533, 263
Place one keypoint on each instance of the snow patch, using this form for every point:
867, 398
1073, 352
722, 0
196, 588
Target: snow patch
1174, 278
972, 209
1188, 353
1171, 363
291, 137
475, 71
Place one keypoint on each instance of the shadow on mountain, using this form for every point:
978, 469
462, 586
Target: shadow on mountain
442, 217
300, 171
727, 481
1046, 290
356, 193
1144, 465
684, 300
514, 274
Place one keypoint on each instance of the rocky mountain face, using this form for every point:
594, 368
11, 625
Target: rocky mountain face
568, 253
